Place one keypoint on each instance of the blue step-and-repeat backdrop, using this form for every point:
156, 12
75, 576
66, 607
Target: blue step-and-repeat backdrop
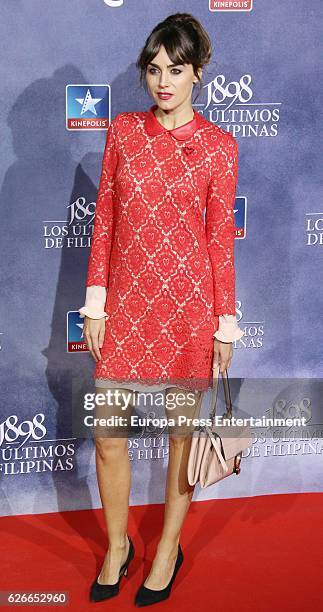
67, 69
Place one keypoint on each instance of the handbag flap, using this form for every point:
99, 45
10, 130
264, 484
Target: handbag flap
234, 439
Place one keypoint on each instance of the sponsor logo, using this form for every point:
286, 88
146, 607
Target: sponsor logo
88, 107
230, 5
240, 216
74, 332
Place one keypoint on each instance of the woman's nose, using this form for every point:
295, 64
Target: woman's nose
163, 80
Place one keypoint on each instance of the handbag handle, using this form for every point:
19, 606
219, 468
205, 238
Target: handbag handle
227, 394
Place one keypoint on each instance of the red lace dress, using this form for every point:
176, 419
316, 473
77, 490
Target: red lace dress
163, 249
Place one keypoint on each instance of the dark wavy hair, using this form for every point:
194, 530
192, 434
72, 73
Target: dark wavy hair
185, 41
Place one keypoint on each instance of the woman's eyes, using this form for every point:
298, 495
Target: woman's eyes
174, 70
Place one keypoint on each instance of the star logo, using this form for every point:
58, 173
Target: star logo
80, 325
88, 106
88, 103
75, 340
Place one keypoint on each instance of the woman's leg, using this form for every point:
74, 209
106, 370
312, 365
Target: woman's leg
178, 492
114, 479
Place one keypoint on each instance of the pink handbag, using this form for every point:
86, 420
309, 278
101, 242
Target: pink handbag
216, 450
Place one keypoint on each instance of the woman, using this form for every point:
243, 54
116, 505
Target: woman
170, 304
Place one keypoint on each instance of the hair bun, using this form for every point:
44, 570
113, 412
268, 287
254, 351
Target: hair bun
184, 18
202, 40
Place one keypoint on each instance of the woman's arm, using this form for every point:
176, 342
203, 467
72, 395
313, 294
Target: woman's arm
220, 235
99, 258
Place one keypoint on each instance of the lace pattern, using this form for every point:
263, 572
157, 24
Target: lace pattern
169, 275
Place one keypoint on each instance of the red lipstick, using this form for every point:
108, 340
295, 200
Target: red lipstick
164, 96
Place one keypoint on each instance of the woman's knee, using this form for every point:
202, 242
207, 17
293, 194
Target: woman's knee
108, 447
110, 437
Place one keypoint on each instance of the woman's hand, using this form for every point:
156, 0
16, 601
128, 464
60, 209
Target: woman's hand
223, 353
93, 331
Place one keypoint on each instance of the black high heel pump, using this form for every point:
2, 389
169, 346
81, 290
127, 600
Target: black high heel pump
99, 592
146, 597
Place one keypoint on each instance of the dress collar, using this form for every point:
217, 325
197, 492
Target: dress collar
183, 132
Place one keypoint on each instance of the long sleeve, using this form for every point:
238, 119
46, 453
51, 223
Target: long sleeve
220, 224
229, 329
94, 303
99, 258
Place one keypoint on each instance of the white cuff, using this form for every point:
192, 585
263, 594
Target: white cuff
229, 329
94, 303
